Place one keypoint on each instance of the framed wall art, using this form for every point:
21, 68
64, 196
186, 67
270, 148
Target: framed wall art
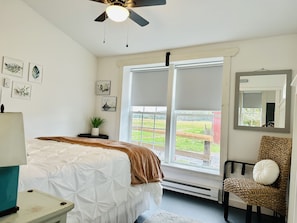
109, 103
21, 90
6, 82
103, 87
12, 66
35, 73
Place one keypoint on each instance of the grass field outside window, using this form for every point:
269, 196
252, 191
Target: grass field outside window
195, 143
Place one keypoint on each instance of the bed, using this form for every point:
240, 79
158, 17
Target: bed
97, 175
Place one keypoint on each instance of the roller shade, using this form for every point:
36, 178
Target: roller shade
199, 87
252, 100
149, 87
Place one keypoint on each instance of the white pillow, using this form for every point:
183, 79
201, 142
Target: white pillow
265, 172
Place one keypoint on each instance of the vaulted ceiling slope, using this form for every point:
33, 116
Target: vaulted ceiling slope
176, 24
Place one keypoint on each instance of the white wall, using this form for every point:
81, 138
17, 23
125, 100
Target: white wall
64, 102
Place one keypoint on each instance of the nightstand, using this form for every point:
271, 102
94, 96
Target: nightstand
37, 207
88, 135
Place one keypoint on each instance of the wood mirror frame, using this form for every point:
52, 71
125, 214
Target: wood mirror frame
276, 86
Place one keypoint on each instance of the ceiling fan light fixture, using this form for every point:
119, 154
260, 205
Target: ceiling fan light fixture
117, 13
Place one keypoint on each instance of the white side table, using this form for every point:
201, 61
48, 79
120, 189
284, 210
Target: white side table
36, 207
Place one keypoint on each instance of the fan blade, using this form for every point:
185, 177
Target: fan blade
102, 1
141, 3
101, 17
137, 18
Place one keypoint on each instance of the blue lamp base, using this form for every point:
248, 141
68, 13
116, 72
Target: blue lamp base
8, 190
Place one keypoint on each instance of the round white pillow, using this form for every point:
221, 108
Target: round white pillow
265, 172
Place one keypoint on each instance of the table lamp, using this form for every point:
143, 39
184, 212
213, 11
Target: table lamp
12, 154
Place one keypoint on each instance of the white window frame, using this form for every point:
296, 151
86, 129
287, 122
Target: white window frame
197, 53
171, 117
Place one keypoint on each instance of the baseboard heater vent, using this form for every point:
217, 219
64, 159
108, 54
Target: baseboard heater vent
195, 190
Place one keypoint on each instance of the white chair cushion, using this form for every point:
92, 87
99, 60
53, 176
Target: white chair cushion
265, 172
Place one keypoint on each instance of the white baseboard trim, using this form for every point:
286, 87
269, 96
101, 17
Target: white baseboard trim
194, 190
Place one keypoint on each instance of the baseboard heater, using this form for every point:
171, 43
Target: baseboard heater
195, 190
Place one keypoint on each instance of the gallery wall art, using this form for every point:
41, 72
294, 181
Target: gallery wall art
35, 73
12, 66
21, 90
109, 103
103, 87
16, 67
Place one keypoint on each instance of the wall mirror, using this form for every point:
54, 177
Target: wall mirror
263, 100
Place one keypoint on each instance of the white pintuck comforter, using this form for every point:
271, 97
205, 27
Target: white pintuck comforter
96, 180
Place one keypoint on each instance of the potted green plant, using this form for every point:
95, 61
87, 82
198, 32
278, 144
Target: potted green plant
96, 122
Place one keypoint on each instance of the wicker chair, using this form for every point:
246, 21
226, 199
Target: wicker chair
253, 194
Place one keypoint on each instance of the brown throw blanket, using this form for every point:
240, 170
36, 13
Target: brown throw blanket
145, 165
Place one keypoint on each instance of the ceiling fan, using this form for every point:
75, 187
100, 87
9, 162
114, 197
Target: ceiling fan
120, 10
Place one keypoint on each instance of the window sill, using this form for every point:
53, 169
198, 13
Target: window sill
202, 170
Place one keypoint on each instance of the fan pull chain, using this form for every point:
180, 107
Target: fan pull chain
104, 33
127, 38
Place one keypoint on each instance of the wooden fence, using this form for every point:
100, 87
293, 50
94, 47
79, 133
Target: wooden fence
205, 156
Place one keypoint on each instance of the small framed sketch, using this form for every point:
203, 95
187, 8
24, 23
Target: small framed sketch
21, 90
35, 73
103, 87
6, 82
12, 67
109, 103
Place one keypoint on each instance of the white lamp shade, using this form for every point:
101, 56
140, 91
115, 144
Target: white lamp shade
117, 13
12, 140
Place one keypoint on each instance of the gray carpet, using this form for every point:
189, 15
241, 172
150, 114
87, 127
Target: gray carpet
162, 216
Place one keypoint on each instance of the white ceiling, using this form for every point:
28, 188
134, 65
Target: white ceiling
176, 24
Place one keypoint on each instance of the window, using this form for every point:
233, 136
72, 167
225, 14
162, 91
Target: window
176, 112
197, 139
251, 109
148, 128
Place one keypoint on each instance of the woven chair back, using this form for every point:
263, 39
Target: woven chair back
279, 150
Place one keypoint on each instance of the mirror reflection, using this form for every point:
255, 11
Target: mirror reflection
262, 100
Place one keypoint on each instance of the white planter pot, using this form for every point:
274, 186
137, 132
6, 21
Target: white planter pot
95, 132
